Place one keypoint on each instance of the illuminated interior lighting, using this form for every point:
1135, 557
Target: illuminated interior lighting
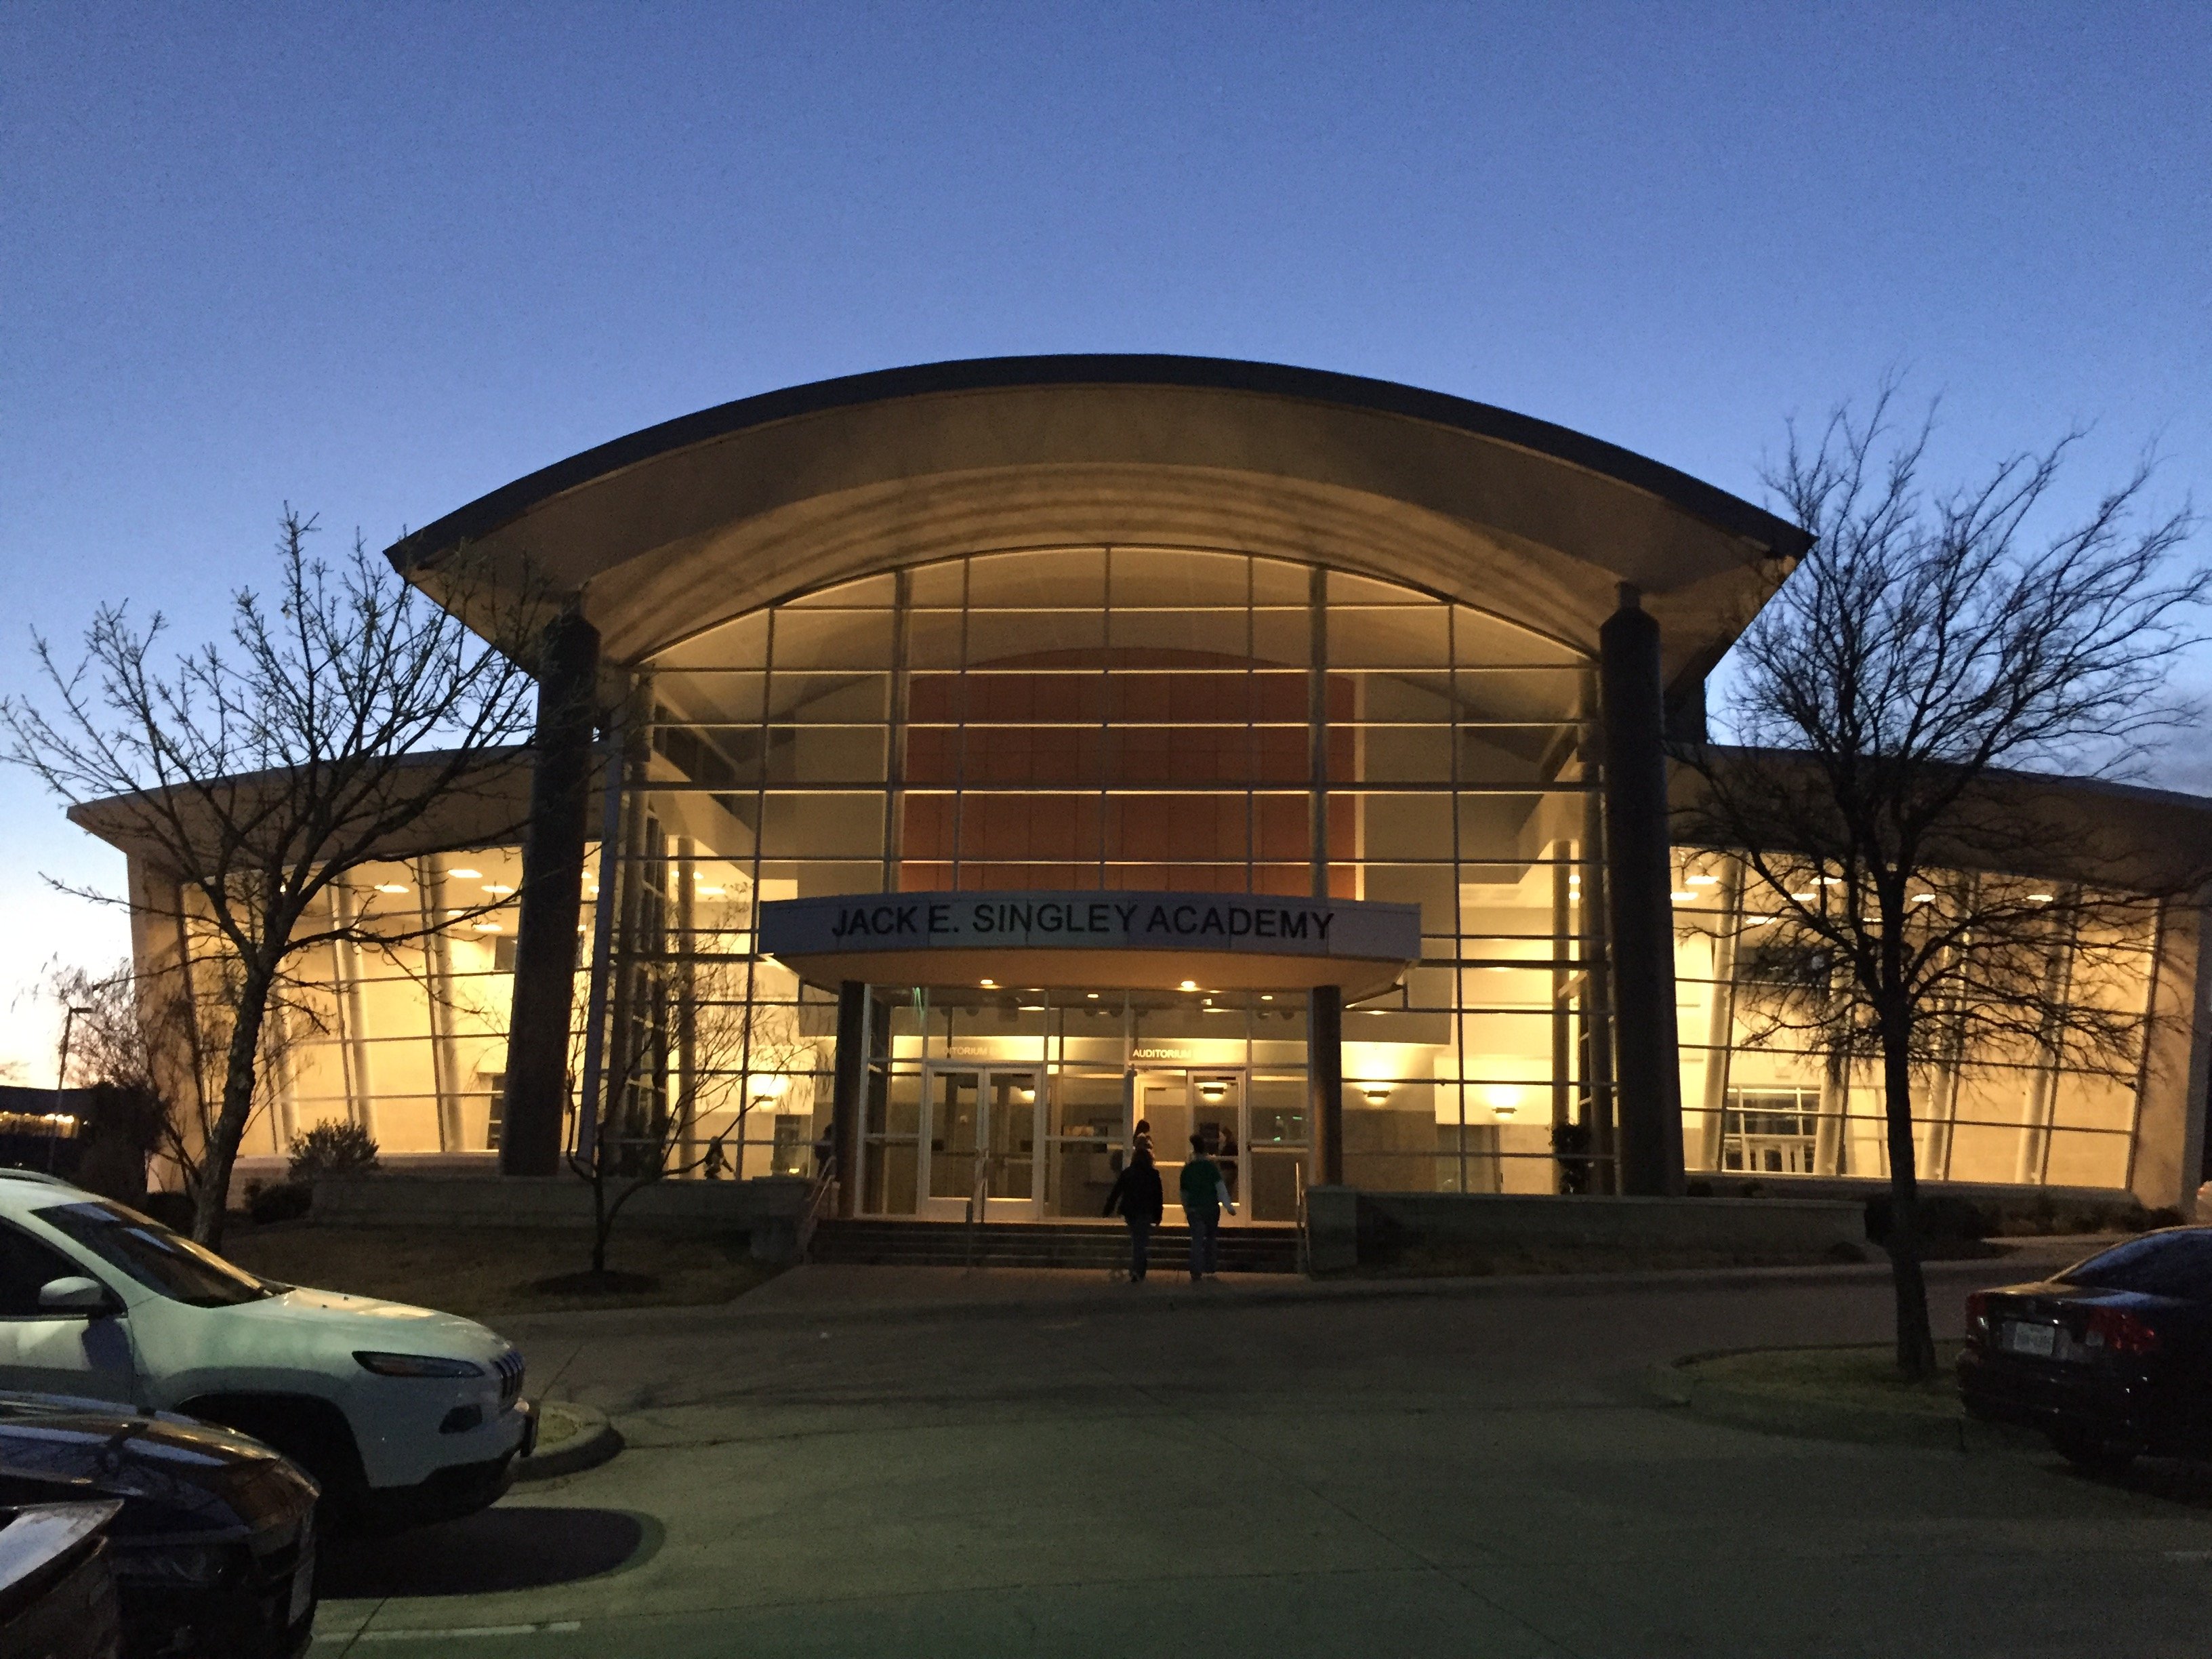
1923, 898
1093, 995
1705, 881
467, 875
1681, 895
2039, 898
990, 984
712, 892
1267, 996
1503, 1098
494, 927
1827, 881
1806, 895
1213, 1089
392, 887
1376, 1093
1190, 985
1757, 921
498, 889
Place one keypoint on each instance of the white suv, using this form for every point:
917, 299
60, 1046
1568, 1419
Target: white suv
402, 1415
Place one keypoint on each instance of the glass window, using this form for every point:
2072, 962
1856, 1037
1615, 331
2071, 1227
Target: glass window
27, 1267
175, 1267
2175, 1264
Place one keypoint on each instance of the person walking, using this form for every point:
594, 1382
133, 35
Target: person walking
1204, 1193
1137, 1195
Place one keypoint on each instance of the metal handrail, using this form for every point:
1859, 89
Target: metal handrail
824, 1185
978, 1201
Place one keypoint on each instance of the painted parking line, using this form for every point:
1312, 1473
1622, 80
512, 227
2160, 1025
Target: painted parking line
465, 1632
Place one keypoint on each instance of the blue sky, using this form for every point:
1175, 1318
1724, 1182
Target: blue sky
375, 260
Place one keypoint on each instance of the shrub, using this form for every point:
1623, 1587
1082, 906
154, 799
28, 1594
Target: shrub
333, 1149
279, 1201
1945, 1218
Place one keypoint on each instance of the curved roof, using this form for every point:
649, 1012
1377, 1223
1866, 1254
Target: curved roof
735, 506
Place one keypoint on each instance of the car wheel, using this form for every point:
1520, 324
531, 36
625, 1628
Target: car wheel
2092, 1452
312, 1433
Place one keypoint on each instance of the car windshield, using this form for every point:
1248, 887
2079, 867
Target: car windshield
154, 1256
2177, 1264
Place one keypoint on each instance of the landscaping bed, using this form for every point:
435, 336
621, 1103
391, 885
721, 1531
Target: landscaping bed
1843, 1393
483, 1271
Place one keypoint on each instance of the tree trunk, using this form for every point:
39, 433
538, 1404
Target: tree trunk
603, 1221
213, 1188
1916, 1345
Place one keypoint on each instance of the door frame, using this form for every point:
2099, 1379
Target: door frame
1190, 1075
929, 1208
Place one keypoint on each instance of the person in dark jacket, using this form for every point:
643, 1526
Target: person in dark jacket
1138, 1197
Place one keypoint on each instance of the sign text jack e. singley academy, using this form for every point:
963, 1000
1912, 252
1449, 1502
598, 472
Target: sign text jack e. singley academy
1260, 923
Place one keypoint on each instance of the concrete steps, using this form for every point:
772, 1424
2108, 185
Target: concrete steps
1095, 1247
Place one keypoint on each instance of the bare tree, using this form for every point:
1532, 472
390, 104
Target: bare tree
1895, 700
344, 710
136, 1034
692, 1024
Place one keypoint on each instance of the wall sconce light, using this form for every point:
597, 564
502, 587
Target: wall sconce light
1212, 1091
1503, 1098
1376, 1093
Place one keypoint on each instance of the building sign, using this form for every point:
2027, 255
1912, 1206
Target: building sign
1257, 924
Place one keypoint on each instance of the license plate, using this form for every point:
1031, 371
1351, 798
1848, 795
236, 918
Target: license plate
303, 1583
2041, 1340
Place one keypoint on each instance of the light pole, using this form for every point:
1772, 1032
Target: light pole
61, 1083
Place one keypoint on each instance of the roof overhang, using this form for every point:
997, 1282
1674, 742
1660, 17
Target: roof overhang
683, 526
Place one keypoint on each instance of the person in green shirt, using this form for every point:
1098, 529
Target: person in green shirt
1204, 1193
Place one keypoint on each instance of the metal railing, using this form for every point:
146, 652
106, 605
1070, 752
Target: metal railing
822, 1191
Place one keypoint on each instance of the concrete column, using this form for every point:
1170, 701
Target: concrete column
850, 1085
1639, 878
1325, 1082
552, 901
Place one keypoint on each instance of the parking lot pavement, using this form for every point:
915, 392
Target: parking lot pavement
1042, 1468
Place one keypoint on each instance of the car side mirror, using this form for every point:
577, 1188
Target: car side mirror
75, 1295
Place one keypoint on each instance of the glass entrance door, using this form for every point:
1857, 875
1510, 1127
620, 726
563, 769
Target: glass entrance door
1210, 1104
980, 1146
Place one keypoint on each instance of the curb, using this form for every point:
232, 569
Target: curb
1677, 1384
1262, 1290
595, 1442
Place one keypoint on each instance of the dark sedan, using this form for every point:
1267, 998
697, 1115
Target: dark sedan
213, 1550
2111, 1359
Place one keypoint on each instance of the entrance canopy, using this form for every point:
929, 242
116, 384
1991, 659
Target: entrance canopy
1092, 939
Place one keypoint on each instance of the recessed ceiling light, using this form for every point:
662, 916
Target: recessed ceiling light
499, 888
467, 875
494, 927
1705, 881
1093, 995
1681, 895
1190, 985
392, 887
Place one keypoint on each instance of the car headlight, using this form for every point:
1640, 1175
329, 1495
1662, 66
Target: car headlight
415, 1364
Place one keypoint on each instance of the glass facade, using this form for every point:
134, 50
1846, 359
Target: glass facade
1114, 718
1762, 1098
1118, 719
